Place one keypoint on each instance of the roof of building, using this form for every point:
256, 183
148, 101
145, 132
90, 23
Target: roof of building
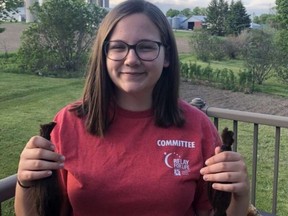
195, 18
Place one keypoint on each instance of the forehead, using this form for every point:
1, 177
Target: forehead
134, 28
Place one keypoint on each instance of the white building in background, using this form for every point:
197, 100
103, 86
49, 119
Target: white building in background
101, 3
28, 3
29, 17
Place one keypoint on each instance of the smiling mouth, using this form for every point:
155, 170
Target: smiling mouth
133, 73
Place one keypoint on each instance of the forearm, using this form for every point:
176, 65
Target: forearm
23, 203
238, 206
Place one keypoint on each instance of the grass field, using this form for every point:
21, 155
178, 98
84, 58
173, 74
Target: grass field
25, 102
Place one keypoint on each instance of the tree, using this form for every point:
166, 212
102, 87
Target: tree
282, 17
61, 37
172, 13
216, 17
7, 8
282, 12
237, 19
263, 18
282, 66
186, 12
207, 47
260, 55
199, 11
267, 19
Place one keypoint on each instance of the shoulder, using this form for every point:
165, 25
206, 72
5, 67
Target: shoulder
192, 112
197, 120
65, 114
67, 123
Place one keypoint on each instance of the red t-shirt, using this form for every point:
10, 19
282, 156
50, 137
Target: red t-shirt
137, 168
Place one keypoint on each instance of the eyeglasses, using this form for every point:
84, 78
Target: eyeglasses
145, 50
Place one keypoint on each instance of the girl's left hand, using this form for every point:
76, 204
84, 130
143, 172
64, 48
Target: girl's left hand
227, 167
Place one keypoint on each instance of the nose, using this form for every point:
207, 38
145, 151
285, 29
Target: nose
132, 58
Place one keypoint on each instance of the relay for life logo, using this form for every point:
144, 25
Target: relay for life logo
179, 165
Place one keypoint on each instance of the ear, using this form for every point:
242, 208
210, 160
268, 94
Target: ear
167, 55
166, 63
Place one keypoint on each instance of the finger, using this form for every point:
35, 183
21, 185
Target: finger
30, 170
223, 167
227, 156
217, 150
231, 177
40, 165
41, 154
40, 142
27, 177
238, 188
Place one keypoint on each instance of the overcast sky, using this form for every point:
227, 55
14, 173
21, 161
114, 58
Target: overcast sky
252, 6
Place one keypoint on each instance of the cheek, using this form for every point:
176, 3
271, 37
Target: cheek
111, 67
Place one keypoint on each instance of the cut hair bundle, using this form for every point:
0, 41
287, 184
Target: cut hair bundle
220, 200
46, 193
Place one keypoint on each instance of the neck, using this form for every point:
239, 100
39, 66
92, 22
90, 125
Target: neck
134, 102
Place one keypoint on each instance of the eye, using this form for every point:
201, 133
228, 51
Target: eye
117, 46
147, 46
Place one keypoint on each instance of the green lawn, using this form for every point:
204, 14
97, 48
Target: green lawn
234, 65
25, 102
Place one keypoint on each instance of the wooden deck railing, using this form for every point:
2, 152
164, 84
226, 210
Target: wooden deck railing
256, 119
7, 189
7, 185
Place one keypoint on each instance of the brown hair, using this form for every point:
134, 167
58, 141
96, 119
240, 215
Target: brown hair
99, 91
220, 200
47, 195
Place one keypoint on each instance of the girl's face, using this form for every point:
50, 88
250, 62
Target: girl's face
132, 75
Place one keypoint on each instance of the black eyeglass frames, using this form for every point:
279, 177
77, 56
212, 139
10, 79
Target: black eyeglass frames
146, 50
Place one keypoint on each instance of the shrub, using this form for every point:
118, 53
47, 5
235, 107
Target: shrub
260, 55
246, 81
61, 37
201, 45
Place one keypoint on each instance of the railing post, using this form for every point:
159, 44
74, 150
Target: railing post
198, 102
7, 187
254, 163
235, 130
276, 169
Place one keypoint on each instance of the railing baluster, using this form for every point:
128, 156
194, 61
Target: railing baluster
235, 130
254, 163
216, 123
276, 169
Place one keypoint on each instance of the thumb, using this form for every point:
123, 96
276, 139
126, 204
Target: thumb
217, 150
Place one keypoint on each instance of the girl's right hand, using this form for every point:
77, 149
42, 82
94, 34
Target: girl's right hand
37, 161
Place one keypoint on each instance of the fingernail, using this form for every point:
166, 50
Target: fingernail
52, 147
202, 171
61, 165
49, 173
62, 158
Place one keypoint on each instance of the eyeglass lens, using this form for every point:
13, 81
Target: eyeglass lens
145, 50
